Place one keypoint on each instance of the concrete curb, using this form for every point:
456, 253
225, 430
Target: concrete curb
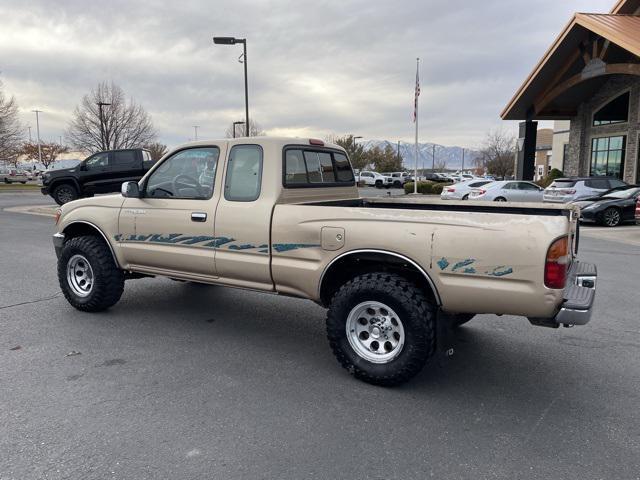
42, 210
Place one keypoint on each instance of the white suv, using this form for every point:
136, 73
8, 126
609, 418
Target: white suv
564, 190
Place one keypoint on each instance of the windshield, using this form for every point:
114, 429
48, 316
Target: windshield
628, 193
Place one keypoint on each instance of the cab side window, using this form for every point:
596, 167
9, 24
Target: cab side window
244, 173
99, 160
187, 174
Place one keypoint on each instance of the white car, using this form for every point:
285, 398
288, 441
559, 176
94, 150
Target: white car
374, 179
508, 191
460, 191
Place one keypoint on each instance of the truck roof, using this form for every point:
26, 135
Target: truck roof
263, 140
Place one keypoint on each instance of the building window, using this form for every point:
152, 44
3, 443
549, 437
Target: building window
616, 111
607, 156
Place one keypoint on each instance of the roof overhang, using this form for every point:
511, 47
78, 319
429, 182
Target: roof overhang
576, 65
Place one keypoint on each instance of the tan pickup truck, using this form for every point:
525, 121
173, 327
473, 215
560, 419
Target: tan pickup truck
283, 215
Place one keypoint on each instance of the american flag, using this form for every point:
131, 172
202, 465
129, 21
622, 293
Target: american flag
417, 94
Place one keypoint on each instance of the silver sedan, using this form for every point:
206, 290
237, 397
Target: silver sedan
508, 191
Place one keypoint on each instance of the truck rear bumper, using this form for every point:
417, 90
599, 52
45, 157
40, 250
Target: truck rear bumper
579, 296
577, 299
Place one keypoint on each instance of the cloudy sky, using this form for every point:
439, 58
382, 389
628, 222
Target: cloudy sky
315, 67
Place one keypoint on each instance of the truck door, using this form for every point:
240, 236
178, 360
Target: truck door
243, 218
124, 166
93, 173
170, 230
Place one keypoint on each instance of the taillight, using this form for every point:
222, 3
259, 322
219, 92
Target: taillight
481, 192
638, 209
57, 215
450, 189
569, 191
557, 263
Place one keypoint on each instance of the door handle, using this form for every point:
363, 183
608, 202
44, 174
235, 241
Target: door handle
198, 216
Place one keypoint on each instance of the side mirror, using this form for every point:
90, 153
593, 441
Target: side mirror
130, 190
83, 167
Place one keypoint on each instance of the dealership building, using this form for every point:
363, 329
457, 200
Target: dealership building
590, 77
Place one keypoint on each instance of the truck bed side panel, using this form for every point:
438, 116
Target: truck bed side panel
480, 262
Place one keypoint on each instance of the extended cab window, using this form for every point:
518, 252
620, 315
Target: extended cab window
124, 159
187, 174
244, 173
316, 167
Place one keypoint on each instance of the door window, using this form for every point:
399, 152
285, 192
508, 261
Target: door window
244, 173
527, 186
99, 160
187, 174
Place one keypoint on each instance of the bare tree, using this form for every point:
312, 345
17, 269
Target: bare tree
156, 149
125, 124
497, 154
11, 131
440, 164
255, 130
50, 152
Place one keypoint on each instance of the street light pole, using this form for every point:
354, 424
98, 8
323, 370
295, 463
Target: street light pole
37, 112
102, 142
195, 128
29, 127
243, 41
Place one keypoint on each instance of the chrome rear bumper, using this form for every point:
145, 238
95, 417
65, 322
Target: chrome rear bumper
577, 299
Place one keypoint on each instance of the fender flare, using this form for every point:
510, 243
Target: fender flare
422, 271
102, 234
55, 181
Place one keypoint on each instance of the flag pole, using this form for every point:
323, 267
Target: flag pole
415, 182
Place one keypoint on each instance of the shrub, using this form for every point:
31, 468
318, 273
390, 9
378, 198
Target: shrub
548, 180
425, 188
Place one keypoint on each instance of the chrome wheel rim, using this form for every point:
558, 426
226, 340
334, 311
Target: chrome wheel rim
375, 332
80, 275
612, 217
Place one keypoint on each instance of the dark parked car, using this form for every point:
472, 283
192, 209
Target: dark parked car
102, 172
611, 208
436, 177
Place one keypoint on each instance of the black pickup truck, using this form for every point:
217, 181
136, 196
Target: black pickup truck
102, 172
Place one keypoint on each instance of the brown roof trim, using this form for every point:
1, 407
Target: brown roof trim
538, 67
626, 6
619, 29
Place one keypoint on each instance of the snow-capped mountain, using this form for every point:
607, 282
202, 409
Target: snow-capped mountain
452, 156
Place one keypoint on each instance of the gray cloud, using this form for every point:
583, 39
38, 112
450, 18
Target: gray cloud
315, 67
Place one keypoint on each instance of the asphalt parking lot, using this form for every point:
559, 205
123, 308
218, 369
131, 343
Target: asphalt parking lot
185, 381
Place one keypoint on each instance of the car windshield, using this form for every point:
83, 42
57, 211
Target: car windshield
628, 193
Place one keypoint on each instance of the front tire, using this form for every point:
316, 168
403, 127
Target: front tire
379, 184
500, 199
64, 193
381, 328
88, 275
